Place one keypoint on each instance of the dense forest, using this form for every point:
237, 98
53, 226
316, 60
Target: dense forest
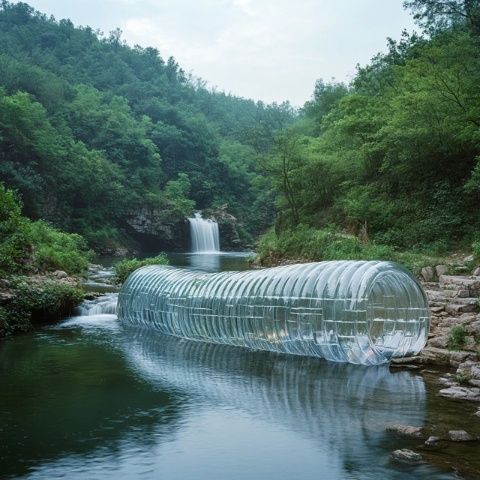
393, 158
95, 135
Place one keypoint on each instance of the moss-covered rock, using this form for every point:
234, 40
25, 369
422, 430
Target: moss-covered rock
40, 298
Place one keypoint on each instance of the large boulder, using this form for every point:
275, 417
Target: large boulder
157, 230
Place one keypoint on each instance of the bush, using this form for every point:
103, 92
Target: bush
125, 267
476, 250
33, 247
35, 299
458, 336
309, 244
56, 250
14, 245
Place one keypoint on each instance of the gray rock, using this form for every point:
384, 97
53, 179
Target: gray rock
477, 413
476, 272
60, 274
457, 308
441, 270
407, 430
404, 361
461, 282
456, 358
469, 369
440, 342
461, 393
460, 436
447, 382
432, 441
427, 273
473, 328
475, 371
407, 456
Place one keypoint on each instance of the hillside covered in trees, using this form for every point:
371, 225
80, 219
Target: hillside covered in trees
97, 136
392, 158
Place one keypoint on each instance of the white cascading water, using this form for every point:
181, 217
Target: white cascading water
204, 234
104, 305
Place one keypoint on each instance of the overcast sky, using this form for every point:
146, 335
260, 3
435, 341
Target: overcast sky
271, 50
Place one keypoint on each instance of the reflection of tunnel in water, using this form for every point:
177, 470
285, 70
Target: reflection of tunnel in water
342, 405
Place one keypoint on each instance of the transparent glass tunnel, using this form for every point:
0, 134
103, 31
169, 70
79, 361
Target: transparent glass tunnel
363, 312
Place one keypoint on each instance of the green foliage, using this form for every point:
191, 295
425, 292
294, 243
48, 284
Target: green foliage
32, 247
35, 299
55, 250
393, 158
458, 337
305, 243
125, 267
308, 244
476, 250
93, 130
45, 297
436, 15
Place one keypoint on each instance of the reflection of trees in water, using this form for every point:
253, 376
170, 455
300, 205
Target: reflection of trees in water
70, 397
78, 398
345, 405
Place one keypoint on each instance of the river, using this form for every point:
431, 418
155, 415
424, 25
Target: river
89, 398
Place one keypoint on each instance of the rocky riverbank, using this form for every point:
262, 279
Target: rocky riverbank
451, 362
454, 338
26, 300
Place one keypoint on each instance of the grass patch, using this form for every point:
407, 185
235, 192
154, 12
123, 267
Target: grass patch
125, 267
458, 337
309, 244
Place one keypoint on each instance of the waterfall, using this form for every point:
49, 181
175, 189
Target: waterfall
204, 235
104, 305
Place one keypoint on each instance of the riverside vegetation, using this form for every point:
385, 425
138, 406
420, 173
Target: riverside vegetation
34, 261
391, 159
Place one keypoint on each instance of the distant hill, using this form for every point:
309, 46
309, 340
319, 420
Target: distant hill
95, 134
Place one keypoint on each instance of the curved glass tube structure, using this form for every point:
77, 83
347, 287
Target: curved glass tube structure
345, 311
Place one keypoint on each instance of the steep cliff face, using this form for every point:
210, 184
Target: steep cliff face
227, 225
152, 229
155, 230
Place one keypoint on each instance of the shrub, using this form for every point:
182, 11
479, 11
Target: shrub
476, 250
56, 250
36, 299
458, 336
32, 247
125, 267
14, 244
309, 244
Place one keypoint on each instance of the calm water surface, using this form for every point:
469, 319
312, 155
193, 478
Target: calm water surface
92, 399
